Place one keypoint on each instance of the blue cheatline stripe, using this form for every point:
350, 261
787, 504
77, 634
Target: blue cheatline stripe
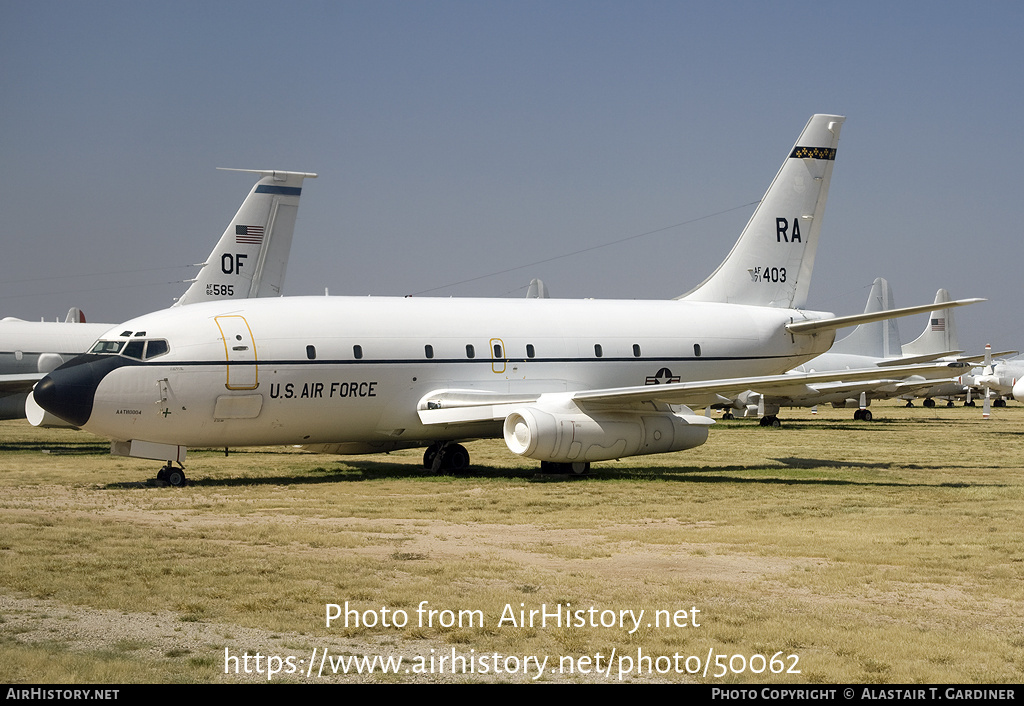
440, 361
279, 190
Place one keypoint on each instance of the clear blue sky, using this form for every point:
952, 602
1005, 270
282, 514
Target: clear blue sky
457, 139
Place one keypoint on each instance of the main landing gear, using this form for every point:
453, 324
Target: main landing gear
446, 457
173, 476
770, 420
575, 469
863, 415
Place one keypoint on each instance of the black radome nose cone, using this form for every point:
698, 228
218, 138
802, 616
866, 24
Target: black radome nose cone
64, 400
68, 392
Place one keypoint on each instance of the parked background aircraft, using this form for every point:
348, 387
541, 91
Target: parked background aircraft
249, 260
565, 382
942, 331
876, 344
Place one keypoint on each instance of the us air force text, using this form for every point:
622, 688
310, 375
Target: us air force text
321, 390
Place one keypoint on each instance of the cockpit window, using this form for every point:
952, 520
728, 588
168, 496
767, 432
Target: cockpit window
156, 348
134, 349
107, 347
140, 349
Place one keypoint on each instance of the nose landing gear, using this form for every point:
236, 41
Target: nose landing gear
173, 476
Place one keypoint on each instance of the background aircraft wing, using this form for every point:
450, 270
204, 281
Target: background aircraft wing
16, 383
927, 357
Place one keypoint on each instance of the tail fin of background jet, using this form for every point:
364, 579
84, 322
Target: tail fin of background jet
771, 263
251, 257
537, 290
75, 316
880, 339
940, 332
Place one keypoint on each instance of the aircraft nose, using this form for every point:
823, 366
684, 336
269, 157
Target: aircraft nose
69, 391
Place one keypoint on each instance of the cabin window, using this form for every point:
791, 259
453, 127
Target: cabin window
157, 348
696, 349
497, 351
636, 350
428, 350
529, 350
597, 350
470, 351
357, 351
311, 352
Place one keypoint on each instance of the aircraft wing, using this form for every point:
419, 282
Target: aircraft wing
820, 393
16, 383
705, 392
980, 358
469, 406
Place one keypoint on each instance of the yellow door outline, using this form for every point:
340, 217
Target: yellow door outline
497, 358
239, 351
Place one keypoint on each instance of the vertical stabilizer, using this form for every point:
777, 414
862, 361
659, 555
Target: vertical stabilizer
251, 257
771, 263
537, 290
939, 334
880, 339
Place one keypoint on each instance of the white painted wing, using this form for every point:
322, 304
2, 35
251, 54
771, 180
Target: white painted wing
470, 406
13, 384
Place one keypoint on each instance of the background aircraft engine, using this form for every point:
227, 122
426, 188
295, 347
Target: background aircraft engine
566, 437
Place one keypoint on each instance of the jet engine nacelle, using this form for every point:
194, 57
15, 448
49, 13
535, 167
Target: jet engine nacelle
566, 437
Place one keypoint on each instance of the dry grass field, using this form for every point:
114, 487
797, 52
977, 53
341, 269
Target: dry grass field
825, 551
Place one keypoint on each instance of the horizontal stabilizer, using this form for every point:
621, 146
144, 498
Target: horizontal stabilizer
838, 322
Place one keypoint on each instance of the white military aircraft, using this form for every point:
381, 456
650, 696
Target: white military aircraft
249, 260
1018, 389
997, 378
565, 382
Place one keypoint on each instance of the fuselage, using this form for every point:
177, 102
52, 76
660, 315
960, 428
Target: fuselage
335, 370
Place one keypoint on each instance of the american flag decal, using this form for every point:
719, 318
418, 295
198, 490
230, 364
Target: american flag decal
249, 235
938, 324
